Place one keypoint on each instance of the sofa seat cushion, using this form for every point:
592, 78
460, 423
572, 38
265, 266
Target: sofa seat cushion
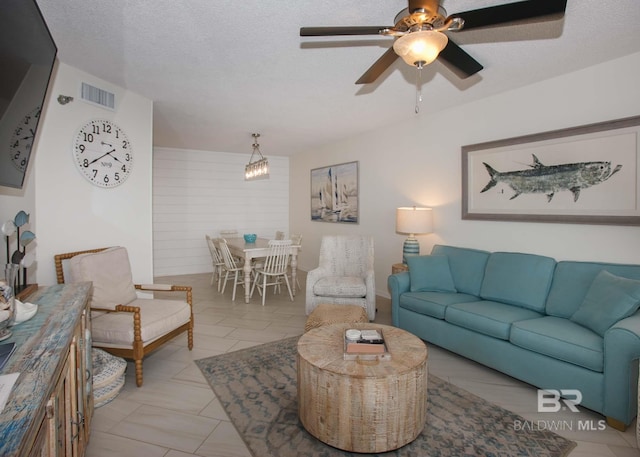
158, 317
432, 304
561, 339
488, 317
340, 286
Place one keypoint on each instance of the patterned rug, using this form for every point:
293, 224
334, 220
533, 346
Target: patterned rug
257, 388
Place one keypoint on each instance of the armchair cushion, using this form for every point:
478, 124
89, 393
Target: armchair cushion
110, 272
340, 286
158, 317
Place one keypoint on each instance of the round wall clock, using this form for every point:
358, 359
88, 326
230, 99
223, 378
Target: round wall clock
102, 152
22, 140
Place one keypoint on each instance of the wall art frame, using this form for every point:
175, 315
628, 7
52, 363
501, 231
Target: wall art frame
335, 193
582, 175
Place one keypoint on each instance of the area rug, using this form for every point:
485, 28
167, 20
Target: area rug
257, 388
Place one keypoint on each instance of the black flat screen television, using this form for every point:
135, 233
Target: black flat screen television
27, 56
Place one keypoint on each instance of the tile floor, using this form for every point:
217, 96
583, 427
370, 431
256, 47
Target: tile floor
175, 413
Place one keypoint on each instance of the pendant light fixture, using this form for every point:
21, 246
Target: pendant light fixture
258, 169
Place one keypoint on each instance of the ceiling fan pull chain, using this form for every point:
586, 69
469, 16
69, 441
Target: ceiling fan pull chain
418, 87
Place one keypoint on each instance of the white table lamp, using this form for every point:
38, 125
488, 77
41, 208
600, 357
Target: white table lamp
414, 221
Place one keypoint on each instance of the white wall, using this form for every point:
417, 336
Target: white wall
198, 193
72, 214
419, 163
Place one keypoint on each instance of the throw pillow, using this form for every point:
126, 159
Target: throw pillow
609, 299
430, 273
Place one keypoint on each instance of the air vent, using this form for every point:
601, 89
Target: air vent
97, 96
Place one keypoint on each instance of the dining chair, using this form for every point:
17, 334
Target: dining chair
124, 324
232, 269
216, 260
296, 240
274, 269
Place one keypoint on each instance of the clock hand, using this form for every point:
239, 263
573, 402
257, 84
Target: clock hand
107, 144
105, 154
113, 157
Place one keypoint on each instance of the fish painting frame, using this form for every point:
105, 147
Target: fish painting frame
335, 193
581, 175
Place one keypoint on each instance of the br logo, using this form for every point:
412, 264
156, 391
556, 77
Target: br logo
552, 401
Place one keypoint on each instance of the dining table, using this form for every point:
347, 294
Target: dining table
258, 249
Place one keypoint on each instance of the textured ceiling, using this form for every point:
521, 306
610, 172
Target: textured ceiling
218, 70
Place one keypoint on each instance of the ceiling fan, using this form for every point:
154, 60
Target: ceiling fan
419, 37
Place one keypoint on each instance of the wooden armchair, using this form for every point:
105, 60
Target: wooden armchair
123, 324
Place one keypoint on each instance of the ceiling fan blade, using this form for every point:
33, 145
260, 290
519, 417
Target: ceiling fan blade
511, 12
335, 31
378, 67
461, 63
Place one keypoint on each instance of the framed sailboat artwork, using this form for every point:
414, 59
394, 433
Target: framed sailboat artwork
334, 193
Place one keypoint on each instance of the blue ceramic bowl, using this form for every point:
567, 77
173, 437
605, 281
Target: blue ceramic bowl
250, 237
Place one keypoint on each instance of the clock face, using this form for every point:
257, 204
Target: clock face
102, 152
22, 140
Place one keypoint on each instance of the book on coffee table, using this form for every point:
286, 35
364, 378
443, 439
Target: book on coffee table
365, 344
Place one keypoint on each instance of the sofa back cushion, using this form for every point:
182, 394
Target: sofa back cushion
518, 279
572, 280
466, 265
430, 273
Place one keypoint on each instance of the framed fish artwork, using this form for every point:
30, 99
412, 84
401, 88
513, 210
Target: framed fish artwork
334, 193
582, 175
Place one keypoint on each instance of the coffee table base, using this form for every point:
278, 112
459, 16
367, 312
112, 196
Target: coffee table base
365, 406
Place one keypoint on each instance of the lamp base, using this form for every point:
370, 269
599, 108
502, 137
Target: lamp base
409, 248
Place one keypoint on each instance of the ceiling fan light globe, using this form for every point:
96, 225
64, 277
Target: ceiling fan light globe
421, 46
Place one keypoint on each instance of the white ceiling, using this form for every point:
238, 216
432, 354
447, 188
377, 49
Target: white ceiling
218, 70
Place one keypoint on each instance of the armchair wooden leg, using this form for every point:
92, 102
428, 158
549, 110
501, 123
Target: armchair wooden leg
138, 372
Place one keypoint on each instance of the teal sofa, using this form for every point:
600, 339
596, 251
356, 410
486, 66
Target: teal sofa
555, 325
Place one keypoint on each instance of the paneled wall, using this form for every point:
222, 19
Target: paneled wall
196, 193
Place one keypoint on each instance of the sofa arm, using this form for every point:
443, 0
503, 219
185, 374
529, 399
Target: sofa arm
621, 354
398, 284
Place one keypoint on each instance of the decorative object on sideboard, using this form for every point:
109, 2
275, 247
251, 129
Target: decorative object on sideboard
7, 310
20, 257
258, 169
413, 221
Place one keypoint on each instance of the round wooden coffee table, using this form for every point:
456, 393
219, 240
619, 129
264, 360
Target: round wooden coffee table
362, 405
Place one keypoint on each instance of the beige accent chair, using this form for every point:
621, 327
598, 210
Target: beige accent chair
123, 324
345, 274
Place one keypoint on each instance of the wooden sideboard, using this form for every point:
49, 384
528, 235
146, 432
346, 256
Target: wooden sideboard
50, 407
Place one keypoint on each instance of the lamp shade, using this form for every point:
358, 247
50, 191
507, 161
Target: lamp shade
414, 220
420, 47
